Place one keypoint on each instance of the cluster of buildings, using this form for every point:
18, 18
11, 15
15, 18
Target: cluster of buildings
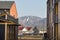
26, 30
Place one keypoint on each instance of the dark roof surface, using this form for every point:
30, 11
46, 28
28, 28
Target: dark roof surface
6, 4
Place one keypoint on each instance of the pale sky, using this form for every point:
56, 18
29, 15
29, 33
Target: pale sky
31, 8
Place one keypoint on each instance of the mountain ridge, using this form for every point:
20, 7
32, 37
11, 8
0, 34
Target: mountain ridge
33, 21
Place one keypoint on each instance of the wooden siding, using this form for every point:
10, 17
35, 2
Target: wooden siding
13, 11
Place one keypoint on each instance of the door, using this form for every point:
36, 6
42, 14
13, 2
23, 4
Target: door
2, 32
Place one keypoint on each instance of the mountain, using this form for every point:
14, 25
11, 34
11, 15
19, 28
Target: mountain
33, 21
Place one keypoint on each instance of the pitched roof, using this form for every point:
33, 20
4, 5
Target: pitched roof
25, 29
6, 4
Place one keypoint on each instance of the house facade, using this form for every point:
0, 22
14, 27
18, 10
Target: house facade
8, 21
53, 19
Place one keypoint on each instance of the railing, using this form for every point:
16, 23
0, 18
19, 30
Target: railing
10, 18
2, 18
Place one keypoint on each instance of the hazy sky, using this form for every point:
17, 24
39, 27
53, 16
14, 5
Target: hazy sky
31, 8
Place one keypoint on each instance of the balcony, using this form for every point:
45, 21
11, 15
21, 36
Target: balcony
9, 18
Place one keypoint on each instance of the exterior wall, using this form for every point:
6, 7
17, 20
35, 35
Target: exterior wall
13, 11
50, 20
59, 21
16, 33
59, 31
53, 18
